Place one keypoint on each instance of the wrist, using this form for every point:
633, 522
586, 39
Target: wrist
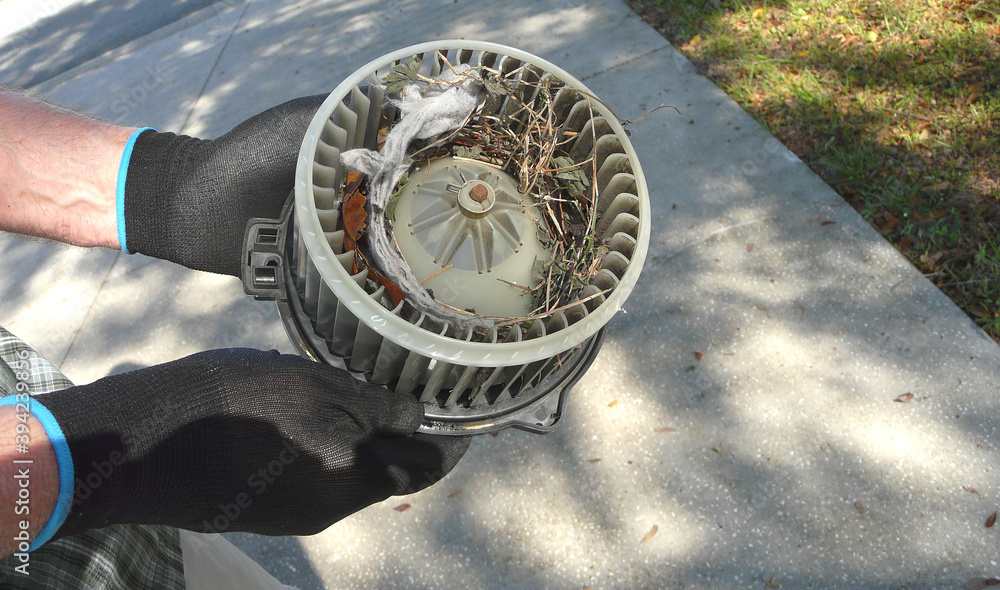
61, 173
30, 483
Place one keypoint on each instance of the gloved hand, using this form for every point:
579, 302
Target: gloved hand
240, 440
188, 200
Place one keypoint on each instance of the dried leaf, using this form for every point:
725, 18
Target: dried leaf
613, 403
761, 307
474, 152
573, 179
974, 90
455, 494
496, 87
772, 582
402, 507
980, 583
828, 222
392, 290
698, 355
595, 460
980, 312
891, 221
750, 247
403, 74
992, 520
355, 216
971, 490
941, 186
650, 534
757, 12
666, 429
717, 449
860, 507
906, 397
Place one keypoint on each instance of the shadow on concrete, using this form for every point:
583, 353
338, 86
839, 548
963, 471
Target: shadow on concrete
844, 139
787, 477
59, 42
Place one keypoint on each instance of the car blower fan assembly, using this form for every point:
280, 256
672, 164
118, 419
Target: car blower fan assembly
466, 220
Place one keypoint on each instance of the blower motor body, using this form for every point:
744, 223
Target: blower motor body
466, 227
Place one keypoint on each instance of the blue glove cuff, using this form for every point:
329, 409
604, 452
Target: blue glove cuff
64, 460
120, 194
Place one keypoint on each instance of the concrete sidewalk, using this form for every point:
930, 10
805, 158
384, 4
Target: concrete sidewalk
788, 459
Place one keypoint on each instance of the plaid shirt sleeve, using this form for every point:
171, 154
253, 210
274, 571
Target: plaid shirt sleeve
121, 557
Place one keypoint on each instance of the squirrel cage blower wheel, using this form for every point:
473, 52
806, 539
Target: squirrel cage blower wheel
466, 219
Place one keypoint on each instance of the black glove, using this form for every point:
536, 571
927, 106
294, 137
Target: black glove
241, 440
188, 200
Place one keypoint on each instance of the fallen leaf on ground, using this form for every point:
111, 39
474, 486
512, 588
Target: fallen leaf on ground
904, 398
941, 186
861, 507
650, 534
761, 307
613, 403
698, 355
717, 449
980, 312
402, 507
974, 90
828, 222
992, 520
750, 247
891, 221
980, 583
971, 490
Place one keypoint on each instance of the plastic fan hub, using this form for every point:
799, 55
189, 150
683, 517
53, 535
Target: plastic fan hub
465, 225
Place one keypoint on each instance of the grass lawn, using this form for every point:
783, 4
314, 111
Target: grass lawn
895, 104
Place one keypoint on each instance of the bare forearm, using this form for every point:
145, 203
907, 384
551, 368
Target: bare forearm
58, 172
29, 478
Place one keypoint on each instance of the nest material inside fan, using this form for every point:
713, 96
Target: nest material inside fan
516, 130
